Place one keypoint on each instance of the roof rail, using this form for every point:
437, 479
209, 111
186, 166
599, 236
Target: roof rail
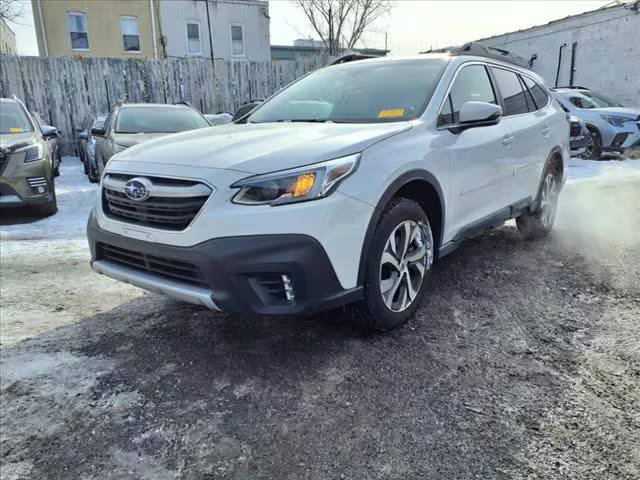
573, 87
352, 57
481, 50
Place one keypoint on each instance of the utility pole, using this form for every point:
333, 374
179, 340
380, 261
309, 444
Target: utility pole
213, 63
386, 35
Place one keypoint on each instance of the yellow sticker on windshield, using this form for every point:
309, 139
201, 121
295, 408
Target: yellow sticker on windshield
396, 112
16, 130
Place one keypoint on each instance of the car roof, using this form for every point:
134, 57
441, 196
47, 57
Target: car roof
154, 105
451, 58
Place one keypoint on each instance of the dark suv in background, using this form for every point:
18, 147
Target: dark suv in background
133, 123
26, 164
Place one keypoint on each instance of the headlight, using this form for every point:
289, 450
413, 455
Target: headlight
616, 121
33, 152
297, 185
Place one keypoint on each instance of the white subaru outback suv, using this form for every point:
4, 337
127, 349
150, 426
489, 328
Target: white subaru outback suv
342, 188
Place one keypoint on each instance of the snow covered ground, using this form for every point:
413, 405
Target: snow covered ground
603, 170
76, 197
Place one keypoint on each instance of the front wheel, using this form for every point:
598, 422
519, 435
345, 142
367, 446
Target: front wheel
398, 264
539, 223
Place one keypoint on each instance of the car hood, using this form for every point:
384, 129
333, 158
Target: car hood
618, 112
131, 139
262, 148
9, 140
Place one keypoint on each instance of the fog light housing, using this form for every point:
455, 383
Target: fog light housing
38, 185
288, 288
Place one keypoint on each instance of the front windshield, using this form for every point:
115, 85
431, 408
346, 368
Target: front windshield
13, 119
589, 100
357, 92
158, 120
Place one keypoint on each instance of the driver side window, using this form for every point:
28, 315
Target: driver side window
472, 84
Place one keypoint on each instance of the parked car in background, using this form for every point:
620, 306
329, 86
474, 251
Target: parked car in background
133, 123
90, 149
613, 127
218, 118
578, 136
245, 108
84, 133
341, 188
26, 163
54, 140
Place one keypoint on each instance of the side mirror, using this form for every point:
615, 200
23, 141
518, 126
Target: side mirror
479, 114
98, 131
48, 131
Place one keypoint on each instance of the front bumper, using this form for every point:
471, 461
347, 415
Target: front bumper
19, 181
619, 139
233, 271
577, 144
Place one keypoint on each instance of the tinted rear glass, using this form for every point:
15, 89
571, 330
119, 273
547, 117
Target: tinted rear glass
539, 95
591, 100
513, 96
158, 120
361, 92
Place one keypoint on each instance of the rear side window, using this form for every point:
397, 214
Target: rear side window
471, 85
513, 95
539, 95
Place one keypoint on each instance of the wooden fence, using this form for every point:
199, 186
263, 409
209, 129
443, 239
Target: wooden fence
64, 90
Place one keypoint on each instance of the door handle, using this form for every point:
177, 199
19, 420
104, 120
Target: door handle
507, 140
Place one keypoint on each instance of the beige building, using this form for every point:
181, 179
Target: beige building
7, 40
97, 28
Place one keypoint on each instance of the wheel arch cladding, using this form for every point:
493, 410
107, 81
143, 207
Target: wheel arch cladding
419, 186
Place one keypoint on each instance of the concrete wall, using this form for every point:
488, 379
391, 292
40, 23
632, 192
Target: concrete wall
103, 27
7, 40
251, 14
607, 55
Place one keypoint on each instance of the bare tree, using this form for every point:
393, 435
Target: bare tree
341, 23
11, 10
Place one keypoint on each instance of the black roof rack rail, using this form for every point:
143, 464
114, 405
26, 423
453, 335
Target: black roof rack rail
573, 87
352, 57
481, 50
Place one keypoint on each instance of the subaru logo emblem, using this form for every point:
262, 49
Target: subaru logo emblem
138, 188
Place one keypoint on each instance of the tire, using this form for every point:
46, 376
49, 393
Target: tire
539, 223
396, 269
50, 208
56, 169
93, 176
593, 150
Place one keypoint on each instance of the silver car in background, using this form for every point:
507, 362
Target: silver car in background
613, 127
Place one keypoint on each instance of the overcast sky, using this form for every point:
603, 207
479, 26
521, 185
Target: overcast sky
412, 25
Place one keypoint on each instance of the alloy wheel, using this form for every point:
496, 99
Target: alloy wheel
406, 258
548, 200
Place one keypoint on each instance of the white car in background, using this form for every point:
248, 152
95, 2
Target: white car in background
342, 188
613, 128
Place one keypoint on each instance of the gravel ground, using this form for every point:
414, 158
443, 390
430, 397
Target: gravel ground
522, 363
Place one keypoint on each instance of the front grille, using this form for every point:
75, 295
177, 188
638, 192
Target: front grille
575, 129
174, 269
172, 204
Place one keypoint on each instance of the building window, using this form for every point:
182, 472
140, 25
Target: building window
193, 38
237, 40
77, 24
130, 34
